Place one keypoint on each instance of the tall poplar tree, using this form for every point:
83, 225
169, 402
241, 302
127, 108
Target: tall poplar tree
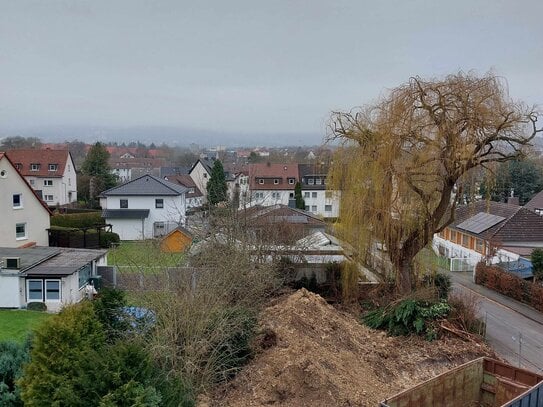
216, 186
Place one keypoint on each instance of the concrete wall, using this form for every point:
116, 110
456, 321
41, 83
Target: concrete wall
31, 212
131, 229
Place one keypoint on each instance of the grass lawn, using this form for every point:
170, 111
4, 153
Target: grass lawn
142, 255
15, 325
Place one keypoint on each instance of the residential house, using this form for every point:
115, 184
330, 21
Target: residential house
272, 184
194, 196
280, 223
495, 231
25, 217
144, 208
238, 188
318, 200
55, 276
200, 172
50, 172
128, 168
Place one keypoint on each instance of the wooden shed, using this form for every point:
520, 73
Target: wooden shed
177, 241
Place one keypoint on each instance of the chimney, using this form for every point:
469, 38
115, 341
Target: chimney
513, 200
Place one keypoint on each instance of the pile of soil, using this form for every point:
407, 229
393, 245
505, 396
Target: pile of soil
311, 354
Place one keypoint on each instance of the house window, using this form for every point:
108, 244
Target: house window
314, 208
18, 166
35, 290
191, 190
318, 181
313, 195
328, 208
465, 241
310, 181
260, 181
123, 203
20, 231
275, 181
479, 245
205, 174
53, 167
291, 181
47, 182
69, 181
48, 198
306, 207
159, 203
275, 195
17, 201
306, 194
52, 290
34, 167
453, 236
31, 182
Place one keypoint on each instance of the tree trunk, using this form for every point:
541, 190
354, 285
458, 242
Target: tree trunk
404, 281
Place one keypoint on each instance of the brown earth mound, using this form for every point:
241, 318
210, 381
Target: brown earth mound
311, 354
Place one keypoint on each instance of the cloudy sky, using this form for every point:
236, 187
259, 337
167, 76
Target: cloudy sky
264, 68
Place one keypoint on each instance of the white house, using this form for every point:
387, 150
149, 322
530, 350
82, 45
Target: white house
318, 199
272, 184
200, 174
24, 218
144, 208
52, 275
50, 172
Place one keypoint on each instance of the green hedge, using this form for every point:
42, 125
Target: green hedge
106, 238
78, 220
36, 306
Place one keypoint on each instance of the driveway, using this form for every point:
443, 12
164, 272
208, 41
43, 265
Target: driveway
513, 329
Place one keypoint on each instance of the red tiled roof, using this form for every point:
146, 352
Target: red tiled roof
536, 202
270, 172
24, 158
4, 155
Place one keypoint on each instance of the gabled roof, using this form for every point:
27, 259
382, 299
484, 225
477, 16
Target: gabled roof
24, 158
125, 213
186, 181
261, 215
207, 164
146, 185
536, 202
515, 223
269, 171
23, 179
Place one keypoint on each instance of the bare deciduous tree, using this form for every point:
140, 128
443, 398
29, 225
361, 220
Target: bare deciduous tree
402, 158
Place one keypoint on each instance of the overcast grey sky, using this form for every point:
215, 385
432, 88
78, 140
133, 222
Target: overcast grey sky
263, 67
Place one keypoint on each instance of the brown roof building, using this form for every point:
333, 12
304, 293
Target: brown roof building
273, 176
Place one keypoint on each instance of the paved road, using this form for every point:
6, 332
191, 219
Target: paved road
514, 330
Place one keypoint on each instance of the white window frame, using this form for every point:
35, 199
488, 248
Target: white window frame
59, 290
51, 198
25, 232
291, 181
34, 167
47, 182
28, 299
313, 195
20, 206
31, 182
121, 203
53, 167
314, 208
275, 181
327, 208
157, 203
310, 181
261, 181
318, 181
307, 194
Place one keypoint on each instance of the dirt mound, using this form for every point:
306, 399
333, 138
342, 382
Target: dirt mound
311, 354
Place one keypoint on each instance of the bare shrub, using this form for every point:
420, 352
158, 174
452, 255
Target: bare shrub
464, 314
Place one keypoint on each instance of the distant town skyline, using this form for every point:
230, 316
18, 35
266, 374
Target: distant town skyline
241, 72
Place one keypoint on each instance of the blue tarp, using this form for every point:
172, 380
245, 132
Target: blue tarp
521, 267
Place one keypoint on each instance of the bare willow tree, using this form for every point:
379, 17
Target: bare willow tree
402, 161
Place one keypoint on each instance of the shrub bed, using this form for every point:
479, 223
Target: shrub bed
78, 220
510, 285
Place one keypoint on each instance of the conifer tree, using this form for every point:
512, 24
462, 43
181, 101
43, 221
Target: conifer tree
216, 186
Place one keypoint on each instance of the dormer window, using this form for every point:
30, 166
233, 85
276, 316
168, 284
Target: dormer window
34, 167
291, 181
318, 181
310, 181
275, 181
261, 181
53, 167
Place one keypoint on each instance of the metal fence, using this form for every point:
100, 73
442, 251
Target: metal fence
520, 348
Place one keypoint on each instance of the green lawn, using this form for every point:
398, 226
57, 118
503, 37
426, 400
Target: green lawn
15, 325
142, 255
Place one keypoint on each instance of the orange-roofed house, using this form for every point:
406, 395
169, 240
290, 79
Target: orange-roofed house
50, 172
272, 184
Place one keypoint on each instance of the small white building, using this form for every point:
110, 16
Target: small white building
144, 208
51, 173
318, 199
52, 275
272, 184
24, 217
